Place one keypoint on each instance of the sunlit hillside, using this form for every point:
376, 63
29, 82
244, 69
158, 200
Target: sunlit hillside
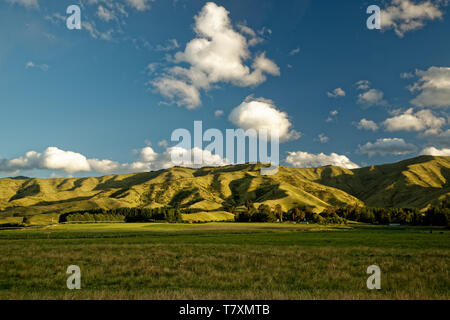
415, 182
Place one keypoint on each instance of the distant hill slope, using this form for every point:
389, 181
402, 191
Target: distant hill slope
415, 182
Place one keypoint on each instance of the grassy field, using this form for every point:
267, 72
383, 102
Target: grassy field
224, 261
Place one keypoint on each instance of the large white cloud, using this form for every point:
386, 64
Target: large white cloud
52, 159
433, 87
423, 120
260, 114
395, 146
69, 162
405, 15
301, 159
218, 54
432, 151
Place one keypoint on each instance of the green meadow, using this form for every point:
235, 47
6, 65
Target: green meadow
225, 261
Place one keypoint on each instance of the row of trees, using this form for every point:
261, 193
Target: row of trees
124, 215
435, 215
263, 214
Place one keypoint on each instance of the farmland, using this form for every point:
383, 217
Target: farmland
225, 261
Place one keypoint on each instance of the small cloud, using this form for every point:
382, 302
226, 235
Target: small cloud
55, 18
105, 14
338, 92
170, 45
372, 97
254, 38
322, 138
152, 68
294, 51
163, 144
140, 5
332, 116
32, 65
364, 124
218, 113
406, 75
29, 4
362, 84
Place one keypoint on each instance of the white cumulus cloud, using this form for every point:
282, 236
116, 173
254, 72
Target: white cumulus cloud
433, 87
338, 92
372, 97
419, 121
301, 159
217, 54
406, 15
385, 146
262, 114
69, 162
432, 151
52, 159
365, 124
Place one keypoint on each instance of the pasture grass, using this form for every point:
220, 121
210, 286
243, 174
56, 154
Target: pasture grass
224, 261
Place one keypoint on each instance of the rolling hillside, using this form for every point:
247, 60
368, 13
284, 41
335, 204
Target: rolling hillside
415, 182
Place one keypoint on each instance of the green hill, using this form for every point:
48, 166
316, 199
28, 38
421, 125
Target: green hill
415, 182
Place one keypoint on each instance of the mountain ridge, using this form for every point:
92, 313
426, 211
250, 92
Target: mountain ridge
416, 182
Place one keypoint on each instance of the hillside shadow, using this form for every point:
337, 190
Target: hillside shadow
48, 203
182, 195
126, 183
215, 170
240, 192
26, 190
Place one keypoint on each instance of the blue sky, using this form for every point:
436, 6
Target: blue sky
106, 98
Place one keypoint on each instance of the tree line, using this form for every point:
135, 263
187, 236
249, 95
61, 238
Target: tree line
434, 216
124, 215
